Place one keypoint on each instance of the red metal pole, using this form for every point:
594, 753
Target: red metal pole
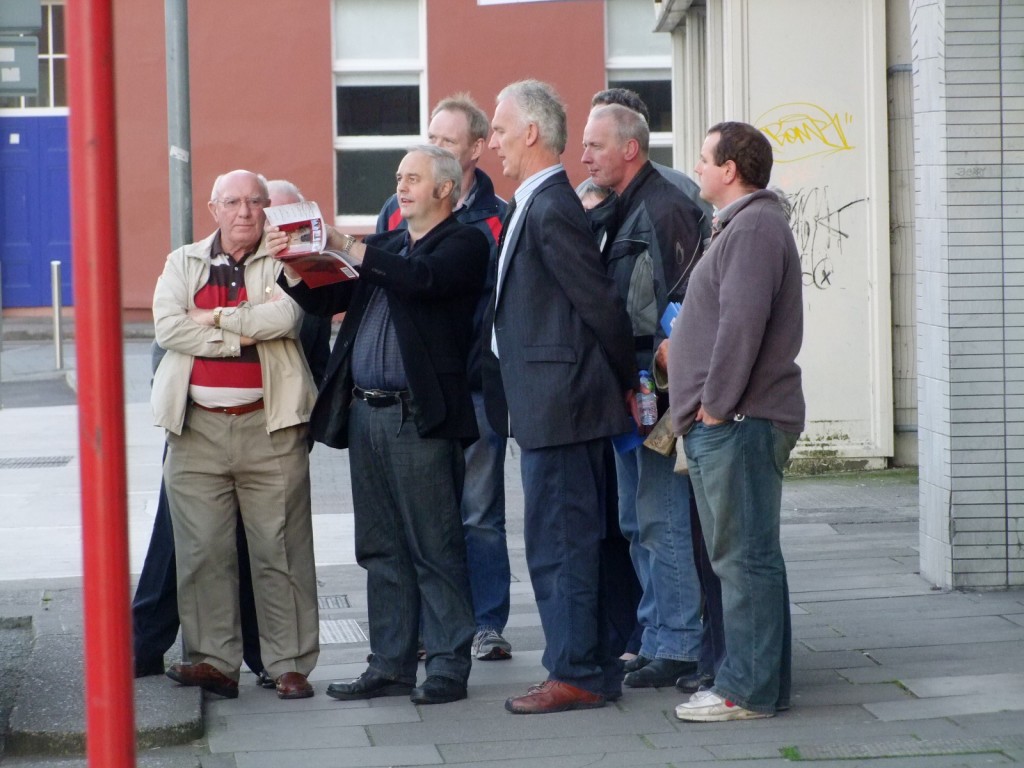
110, 715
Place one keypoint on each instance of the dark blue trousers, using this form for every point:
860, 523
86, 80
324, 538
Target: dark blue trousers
566, 489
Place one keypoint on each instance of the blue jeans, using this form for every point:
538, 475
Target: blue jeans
563, 527
654, 514
408, 536
712, 644
483, 521
736, 468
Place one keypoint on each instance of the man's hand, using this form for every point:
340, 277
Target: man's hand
661, 356
707, 418
277, 241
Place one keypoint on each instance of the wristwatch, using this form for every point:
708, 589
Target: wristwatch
349, 242
216, 316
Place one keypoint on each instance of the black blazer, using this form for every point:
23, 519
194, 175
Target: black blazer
431, 292
564, 339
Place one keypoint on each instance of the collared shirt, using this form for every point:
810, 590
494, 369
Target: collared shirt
723, 215
225, 381
469, 199
521, 197
376, 358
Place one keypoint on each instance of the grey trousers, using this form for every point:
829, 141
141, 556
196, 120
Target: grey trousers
217, 464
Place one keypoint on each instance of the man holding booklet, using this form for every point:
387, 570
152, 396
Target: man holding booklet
396, 395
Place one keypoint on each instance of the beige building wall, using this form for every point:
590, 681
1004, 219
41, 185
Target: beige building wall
822, 101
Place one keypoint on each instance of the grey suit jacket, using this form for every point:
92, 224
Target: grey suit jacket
564, 339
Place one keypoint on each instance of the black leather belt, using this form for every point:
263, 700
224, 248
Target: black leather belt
380, 398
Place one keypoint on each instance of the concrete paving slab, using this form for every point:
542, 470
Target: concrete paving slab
840, 724
967, 649
948, 706
954, 667
907, 748
314, 718
966, 685
224, 738
353, 757
915, 632
543, 748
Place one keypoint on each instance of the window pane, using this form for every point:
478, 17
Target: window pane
630, 25
60, 84
43, 99
662, 155
10, 102
44, 33
371, 29
366, 179
58, 29
657, 95
378, 110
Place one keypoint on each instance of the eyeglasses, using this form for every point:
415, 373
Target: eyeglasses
232, 203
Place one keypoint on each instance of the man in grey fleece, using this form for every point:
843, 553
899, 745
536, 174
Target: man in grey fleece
736, 395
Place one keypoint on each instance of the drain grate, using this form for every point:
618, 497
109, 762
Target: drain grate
34, 462
332, 602
333, 631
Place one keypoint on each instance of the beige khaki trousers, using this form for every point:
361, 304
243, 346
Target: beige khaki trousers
220, 463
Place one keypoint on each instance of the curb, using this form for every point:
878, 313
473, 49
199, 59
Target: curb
48, 716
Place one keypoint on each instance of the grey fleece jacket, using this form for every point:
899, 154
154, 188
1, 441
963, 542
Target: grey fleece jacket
733, 348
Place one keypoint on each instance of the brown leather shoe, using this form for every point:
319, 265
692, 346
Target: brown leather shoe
206, 676
293, 685
553, 696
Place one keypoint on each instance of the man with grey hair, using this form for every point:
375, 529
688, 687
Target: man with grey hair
654, 243
565, 354
396, 396
686, 185
234, 393
458, 125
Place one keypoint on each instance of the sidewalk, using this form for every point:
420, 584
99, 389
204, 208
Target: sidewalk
887, 670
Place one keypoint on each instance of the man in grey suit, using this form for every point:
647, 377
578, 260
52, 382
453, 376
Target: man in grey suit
564, 348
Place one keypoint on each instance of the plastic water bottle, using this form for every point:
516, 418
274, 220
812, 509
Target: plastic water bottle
647, 400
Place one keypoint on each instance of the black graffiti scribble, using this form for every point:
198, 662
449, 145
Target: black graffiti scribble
818, 229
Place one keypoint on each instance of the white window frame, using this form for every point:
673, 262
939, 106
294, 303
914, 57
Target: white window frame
22, 110
411, 71
618, 68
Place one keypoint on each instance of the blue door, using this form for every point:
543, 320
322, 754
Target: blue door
34, 212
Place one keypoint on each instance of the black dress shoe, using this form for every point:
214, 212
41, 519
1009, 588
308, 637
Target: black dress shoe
694, 682
634, 664
438, 690
368, 685
660, 673
264, 680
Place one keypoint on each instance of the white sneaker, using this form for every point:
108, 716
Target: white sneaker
489, 645
709, 707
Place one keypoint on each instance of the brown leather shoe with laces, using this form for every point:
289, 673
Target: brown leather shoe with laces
205, 676
293, 685
553, 696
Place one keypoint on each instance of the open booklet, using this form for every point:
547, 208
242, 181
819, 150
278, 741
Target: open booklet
323, 268
307, 236
304, 225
